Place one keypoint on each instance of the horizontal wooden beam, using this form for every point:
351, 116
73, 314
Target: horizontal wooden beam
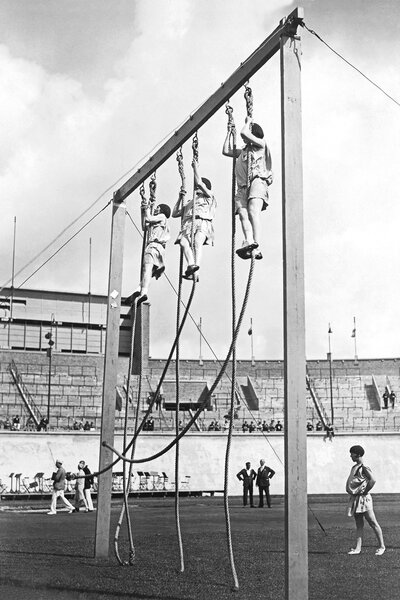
246, 70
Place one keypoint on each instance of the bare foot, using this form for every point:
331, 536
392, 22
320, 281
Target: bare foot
354, 551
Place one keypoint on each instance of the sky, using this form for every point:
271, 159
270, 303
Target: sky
90, 87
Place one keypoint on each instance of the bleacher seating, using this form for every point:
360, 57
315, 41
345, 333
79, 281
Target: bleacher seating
76, 393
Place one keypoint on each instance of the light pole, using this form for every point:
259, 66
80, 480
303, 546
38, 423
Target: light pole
49, 353
329, 356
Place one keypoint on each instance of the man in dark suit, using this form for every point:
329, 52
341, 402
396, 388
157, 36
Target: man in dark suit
264, 474
247, 475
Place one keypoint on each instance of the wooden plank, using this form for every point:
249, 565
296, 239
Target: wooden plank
103, 513
242, 74
296, 579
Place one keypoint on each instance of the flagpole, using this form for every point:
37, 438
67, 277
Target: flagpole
90, 278
12, 282
354, 335
201, 335
251, 340
330, 371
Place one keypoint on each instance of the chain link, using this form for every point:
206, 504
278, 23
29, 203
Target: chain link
195, 147
153, 188
231, 122
142, 193
179, 158
248, 95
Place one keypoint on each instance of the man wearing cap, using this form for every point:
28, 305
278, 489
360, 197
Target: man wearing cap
58, 489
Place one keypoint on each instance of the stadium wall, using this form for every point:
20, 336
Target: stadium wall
202, 457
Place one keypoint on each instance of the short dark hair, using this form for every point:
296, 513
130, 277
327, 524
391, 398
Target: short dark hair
206, 182
359, 450
165, 210
257, 130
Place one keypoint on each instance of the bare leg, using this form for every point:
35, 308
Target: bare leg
146, 276
359, 519
254, 210
187, 251
246, 226
372, 522
199, 240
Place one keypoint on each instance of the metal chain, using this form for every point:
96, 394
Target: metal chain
179, 158
195, 147
153, 189
231, 123
248, 95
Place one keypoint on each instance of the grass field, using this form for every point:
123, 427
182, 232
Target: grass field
51, 557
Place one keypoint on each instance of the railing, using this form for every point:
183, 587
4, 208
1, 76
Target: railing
318, 405
25, 394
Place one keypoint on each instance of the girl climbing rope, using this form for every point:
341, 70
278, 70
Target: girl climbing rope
253, 176
204, 205
156, 226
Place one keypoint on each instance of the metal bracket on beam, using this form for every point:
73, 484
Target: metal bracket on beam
293, 21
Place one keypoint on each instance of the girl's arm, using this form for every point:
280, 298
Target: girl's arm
153, 219
248, 137
178, 208
227, 149
197, 180
371, 480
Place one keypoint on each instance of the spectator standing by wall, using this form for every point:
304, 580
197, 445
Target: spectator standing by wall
80, 489
392, 398
385, 398
88, 484
247, 475
264, 474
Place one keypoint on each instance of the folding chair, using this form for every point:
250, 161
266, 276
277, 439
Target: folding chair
155, 476
142, 480
39, 479
147, 475
117, 483
186, 483
165, 480
25, 484
48, 484
18, 483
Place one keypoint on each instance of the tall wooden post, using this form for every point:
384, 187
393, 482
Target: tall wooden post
103, 514
294, 321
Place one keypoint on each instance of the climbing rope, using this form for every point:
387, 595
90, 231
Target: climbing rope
195, 150
122, 455
248, 96
177, 478
232, 133
177, 394
126, 480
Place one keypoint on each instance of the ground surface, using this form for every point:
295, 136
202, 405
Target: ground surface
51, 557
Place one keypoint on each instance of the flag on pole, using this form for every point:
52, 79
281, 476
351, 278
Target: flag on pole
353, 333
250, 331
329, 330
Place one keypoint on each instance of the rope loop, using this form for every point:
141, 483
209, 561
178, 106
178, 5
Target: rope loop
195, 147
248, 95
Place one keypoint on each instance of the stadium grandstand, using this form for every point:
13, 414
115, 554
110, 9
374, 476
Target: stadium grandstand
52, 363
